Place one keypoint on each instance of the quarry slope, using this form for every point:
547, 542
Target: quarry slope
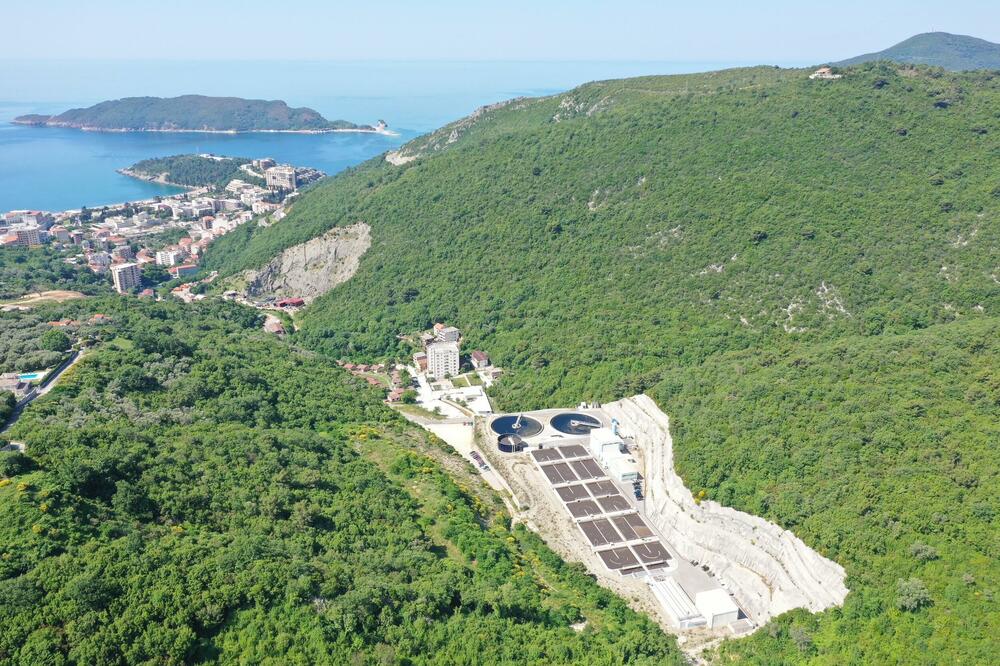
310, 269
770, 569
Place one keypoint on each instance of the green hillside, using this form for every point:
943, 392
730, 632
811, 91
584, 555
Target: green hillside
939, 49
804, 273
195, 491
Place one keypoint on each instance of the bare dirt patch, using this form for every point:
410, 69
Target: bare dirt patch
39, 297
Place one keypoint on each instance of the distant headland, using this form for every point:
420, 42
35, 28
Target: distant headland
197, 113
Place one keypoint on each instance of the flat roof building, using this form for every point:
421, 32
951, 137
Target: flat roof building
448, 334
169, 257
280, 178
717, 607
682, 612
442, 359
126, 277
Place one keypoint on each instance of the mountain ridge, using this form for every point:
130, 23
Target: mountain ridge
941, 49
798, 271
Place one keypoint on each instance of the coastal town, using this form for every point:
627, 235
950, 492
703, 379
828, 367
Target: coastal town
124, 240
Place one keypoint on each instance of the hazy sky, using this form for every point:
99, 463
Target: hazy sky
763, 31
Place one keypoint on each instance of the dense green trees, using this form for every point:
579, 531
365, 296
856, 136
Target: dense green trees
803, 273
195, 170
30, 343
197, 491
879, 452
55, 340
7, 404
39, 269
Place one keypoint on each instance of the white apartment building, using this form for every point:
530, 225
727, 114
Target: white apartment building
126, 277
168, 257
280, 178
442, 359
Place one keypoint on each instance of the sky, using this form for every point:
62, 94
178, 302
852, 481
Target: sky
745, 31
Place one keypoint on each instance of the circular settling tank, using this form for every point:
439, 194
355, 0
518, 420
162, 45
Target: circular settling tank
516, 424
572, 423
510, 443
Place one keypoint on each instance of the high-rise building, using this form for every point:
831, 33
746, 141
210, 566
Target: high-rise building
28, 236
280, 178
442, 359
126, 277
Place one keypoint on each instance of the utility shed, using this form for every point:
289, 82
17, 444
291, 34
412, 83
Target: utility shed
682, 613
623, 467
717, 607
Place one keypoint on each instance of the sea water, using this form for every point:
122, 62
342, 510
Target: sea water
55, 169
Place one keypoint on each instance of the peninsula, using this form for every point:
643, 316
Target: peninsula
196, 113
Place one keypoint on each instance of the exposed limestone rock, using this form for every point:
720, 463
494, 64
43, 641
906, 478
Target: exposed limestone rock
449, 134
312, 268
768, 568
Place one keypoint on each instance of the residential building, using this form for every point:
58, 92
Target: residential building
480, 359
126, 277
102, 259
168, 257
420, 358
442, 359
123, 252
28, 236
262, 207
449, 334
824, 73
236, 185
182, 271
280, 178
11, 381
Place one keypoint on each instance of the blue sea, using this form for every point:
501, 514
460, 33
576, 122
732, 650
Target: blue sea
58, 169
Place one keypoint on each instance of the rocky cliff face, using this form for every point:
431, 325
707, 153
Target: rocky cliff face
311, 269
768, 568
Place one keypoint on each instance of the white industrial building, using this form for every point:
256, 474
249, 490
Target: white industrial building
610, 450
717, 607
442, 359
623, 467
682, 613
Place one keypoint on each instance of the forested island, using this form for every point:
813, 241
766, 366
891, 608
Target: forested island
195, 113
